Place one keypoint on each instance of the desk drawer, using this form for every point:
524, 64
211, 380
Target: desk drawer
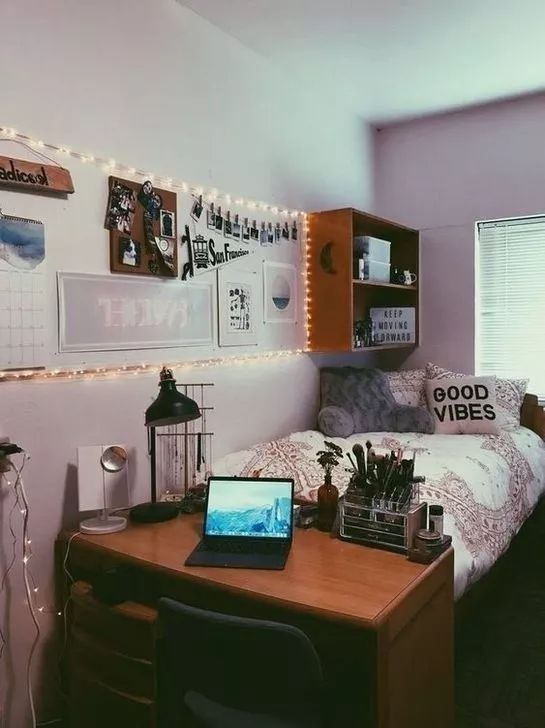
127, 628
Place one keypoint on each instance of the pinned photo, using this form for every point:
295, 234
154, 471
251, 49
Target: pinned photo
129, 252
270, 234
286, 231
196, 210
263, 235
246, 232
277, 233
168, 224
150, 200
211, 218
254, 232
294, 231
237, 229
219, 221
121, 208
228, 228
166, 251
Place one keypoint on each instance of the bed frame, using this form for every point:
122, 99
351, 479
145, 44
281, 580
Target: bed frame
532, 415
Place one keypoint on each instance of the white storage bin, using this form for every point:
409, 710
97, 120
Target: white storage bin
374, 270
375, 248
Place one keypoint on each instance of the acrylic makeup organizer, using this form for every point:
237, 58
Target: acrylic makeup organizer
382, 522
184, 452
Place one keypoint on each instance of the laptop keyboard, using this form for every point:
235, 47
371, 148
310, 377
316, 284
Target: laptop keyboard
243, 547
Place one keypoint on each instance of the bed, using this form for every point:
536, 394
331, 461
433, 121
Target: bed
487, 484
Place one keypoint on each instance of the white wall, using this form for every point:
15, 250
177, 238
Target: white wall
441, 175
150, 84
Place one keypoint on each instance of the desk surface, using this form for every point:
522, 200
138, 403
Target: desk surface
323, 575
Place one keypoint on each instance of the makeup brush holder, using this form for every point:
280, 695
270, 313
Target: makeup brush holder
380, 522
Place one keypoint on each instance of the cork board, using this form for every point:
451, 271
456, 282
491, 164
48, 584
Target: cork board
142, 224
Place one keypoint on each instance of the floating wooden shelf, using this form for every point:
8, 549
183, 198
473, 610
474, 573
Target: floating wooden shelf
382, 347
399, 286
337, 298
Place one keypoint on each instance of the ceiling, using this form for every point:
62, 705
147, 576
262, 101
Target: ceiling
394, 59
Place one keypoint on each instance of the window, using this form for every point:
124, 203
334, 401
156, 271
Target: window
510, 300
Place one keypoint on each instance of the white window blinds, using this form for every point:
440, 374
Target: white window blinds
510, 305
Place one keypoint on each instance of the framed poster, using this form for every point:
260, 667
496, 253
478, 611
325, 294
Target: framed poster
238, 303
394, 325
108, 313
279, 293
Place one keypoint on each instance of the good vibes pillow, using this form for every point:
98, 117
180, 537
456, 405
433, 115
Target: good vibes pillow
463, 405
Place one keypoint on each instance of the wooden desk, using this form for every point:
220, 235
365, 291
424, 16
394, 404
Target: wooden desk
382, 625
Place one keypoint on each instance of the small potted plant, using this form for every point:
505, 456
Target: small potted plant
328, 495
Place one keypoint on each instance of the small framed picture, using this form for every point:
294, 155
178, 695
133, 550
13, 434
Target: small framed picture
129, 252
211, 219
168, 224
227, 228
196, 210
239, 307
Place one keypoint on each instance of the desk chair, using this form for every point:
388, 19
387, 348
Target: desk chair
221, 671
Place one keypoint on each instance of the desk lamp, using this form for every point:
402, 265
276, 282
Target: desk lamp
170, 408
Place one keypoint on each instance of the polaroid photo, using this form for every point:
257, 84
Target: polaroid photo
270, 234
294, 231
277, 233
245, 233
166, 251
286, 232
211, 219
121, 208
168, 224
219, 222
263, 235
196, 210
254, 232
129, 252
227, 228
236, 229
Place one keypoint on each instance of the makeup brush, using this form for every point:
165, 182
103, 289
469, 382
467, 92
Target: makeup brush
360, 458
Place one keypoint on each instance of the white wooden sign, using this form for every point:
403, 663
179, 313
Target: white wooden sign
108, 312
393, 325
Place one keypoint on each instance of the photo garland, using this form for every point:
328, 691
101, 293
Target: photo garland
215, 237
142, 224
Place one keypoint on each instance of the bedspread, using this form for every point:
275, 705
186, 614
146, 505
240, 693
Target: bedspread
487, 484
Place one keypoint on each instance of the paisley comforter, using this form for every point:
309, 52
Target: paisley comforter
487, 484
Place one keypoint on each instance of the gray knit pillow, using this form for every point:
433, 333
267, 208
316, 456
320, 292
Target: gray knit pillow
365, 396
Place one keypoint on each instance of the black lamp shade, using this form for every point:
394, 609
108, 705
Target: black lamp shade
171, 406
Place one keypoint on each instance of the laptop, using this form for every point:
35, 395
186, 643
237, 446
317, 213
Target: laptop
248, 523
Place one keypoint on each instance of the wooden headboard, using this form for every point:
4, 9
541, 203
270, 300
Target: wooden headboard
532, 415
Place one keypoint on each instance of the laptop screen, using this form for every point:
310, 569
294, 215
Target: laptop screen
256, 507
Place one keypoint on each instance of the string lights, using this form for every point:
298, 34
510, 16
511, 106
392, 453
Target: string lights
103, 372
110, 165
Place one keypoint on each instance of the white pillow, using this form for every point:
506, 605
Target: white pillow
509, 394
463, 405
407, 386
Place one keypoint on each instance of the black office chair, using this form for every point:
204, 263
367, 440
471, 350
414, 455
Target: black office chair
219, 671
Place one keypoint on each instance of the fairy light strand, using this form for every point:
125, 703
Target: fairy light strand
109, 165
120, 370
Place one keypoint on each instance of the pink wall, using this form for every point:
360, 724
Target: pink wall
441, 175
